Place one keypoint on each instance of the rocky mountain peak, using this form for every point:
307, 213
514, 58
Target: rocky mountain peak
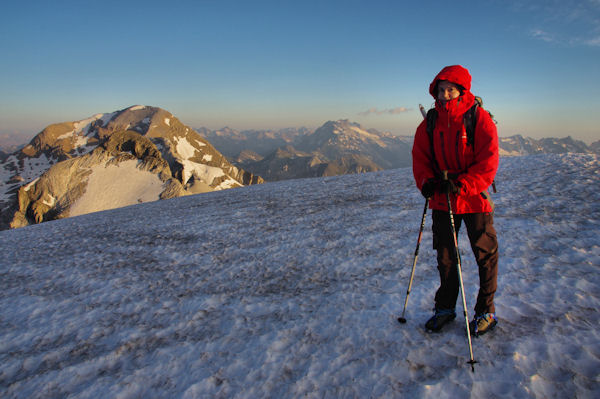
50, 176
342, 137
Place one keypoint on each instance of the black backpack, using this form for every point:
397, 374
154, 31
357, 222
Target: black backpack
469, 120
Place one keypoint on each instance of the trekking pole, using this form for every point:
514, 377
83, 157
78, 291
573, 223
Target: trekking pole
401, 319
462, 288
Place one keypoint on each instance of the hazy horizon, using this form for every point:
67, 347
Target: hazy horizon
8, 139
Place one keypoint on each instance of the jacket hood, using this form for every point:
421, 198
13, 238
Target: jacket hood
456, 74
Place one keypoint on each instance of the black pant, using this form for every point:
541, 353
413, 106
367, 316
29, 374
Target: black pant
482, 235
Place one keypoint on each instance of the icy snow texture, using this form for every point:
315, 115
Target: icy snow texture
292, 289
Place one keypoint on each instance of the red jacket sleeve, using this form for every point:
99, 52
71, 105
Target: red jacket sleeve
421, 156
480, 174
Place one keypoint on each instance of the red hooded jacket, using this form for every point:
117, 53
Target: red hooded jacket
475, 165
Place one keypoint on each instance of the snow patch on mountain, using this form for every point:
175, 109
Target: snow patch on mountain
114, 186
28, 186
184, 148
204, 172
367, 135
29, 170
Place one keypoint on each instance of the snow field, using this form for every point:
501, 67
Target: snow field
292, 289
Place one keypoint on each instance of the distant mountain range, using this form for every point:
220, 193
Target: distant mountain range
519, 145
138, 154
9, 143
341, 147
337, 147
144, 153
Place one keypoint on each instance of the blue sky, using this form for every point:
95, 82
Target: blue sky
271, 64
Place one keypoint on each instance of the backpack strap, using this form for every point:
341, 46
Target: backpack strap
470, 121
431, 117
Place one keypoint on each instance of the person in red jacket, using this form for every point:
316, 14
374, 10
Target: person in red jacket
471, 169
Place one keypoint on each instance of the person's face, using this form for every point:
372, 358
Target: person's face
447, 91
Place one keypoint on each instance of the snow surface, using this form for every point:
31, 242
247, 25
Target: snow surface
292, 289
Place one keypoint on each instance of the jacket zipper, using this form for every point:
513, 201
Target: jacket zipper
444, 150
457, 153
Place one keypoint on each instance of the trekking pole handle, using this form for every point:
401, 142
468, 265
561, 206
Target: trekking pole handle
423, 112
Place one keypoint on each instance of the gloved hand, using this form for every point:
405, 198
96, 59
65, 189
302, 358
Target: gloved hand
450, 186
430, 187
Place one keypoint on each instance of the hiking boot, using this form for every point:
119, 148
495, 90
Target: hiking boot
483, 323
440, 319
